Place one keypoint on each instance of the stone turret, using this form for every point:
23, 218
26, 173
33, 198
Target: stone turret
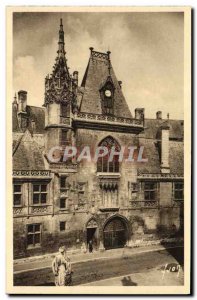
60, 98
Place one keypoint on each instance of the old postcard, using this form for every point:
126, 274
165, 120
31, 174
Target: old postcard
99, 175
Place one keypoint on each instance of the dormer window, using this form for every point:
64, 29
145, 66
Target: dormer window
108, 103
107, 96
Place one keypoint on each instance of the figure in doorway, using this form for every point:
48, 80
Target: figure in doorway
61, 267
90, 246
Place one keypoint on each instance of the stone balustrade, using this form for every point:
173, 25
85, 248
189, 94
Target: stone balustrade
144, 204
32, 210
108, 119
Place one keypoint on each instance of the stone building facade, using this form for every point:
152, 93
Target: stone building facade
114, 204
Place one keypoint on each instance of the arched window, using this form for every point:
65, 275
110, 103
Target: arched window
103, 163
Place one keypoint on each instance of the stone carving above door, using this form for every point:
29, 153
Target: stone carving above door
92, 224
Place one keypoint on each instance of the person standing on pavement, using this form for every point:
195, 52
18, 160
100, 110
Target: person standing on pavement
61, 267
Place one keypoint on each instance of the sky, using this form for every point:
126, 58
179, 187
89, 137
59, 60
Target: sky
147, 54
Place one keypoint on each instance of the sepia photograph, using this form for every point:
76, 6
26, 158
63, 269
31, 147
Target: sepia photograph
99, 137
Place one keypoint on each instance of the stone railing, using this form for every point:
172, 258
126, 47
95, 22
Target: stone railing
64, 166
109, 208
100, 55
20, 211
159, 176
40, 209
32, 173
144, 204
178, 202
108, 119
32, 210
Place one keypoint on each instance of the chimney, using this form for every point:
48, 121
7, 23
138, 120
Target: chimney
165, 129
75, 77
159, 115
139, 113
22, 101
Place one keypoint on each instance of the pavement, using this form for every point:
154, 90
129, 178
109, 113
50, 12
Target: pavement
150, 278
42, 262
136, 266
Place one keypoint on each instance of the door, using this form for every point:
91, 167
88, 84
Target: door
91, 234
115, 234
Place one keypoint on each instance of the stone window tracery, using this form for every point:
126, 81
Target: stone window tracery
103, 163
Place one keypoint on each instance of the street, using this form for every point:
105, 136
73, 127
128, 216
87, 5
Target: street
121, 270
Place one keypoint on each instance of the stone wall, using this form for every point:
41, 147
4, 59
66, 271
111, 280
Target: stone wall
83, 206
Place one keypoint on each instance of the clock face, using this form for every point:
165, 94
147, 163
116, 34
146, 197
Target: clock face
108, 93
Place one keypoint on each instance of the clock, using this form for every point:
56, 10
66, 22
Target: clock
107, 93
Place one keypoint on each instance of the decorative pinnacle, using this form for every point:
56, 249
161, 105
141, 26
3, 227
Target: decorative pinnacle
61, 25
91, 49
61, 38
108, 53
15, 98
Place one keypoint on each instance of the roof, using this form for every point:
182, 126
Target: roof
152, 127
176, 157
34, 113
38, 115
152, 153
96, 74
27, 155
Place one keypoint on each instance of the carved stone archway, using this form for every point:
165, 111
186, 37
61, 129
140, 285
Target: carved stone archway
92, 233
115, 232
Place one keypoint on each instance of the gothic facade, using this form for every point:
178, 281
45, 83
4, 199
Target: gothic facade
114, 204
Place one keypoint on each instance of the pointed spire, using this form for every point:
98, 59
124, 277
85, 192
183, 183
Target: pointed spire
61, 40
58, 85
109, 67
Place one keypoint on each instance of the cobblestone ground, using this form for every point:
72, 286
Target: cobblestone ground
138, 269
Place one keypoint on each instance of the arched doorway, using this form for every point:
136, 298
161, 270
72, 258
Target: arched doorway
92, 232
115, 233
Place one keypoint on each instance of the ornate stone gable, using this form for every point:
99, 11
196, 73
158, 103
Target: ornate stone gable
99, 72
58, 94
